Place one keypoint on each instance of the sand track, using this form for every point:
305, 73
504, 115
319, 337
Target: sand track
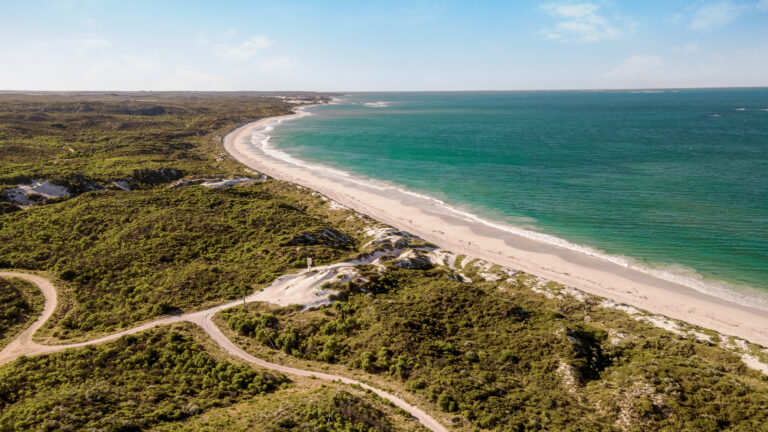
23, 345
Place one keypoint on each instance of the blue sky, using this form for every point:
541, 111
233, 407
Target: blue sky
381, 45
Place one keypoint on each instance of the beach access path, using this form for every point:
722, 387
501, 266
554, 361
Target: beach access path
464, 236
23, 345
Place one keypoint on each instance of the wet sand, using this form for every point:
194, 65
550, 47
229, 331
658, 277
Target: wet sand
429, 220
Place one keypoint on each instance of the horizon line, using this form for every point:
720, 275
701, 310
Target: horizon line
596, 89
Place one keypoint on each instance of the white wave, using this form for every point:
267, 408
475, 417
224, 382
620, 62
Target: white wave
379, 104
682, 275
260, 139
740, 109
679, 274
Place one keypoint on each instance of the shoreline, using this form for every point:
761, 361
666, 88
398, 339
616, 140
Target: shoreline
481, 239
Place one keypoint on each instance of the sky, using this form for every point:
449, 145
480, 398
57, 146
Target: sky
381, 45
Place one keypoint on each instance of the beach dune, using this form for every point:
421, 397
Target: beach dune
461, 235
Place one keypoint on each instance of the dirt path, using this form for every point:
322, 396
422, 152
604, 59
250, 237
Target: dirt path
23, 345
23, 342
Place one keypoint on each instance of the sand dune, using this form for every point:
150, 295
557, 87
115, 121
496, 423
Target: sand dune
462, 236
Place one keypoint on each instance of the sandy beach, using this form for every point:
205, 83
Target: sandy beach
461, 235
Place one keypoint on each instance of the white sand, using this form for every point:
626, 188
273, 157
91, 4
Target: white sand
754, 363
305, 288
230, 182
20, 195
459, 235
122, 185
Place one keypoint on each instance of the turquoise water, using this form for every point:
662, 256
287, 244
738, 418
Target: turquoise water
671, 179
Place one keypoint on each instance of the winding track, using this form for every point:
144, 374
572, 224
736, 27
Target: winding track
23, 345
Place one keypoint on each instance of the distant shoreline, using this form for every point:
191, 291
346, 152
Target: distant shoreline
462, 236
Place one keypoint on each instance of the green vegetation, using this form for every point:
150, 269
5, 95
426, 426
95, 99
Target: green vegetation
172, 379
313, 407
83, 141
129, 256
343, 412
20, 303
134, 383
500, 356
482, 356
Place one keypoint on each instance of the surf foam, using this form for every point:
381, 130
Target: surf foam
744, 295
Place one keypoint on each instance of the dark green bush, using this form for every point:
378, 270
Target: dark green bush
511, 360
133, 383
20, 303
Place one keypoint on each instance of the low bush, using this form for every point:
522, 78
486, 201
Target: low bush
136, 382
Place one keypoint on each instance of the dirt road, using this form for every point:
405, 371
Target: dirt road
23, 345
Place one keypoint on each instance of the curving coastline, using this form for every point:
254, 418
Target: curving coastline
467, 234
679, 274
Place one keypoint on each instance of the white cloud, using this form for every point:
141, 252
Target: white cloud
580, 22
243, 50
277, 65
72, 62
111, 71
688, 48
709, 16
638, 71
745, 67
185, 79
676, 18
94, 43
421, 13
271, 67
202, 40
74, 4
573, 10
77, 44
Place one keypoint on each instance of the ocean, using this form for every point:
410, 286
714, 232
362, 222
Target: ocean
673, 181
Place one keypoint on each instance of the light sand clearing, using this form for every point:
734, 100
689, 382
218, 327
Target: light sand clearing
462, 236
229, 182
305, 288
754, 363
20, 195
